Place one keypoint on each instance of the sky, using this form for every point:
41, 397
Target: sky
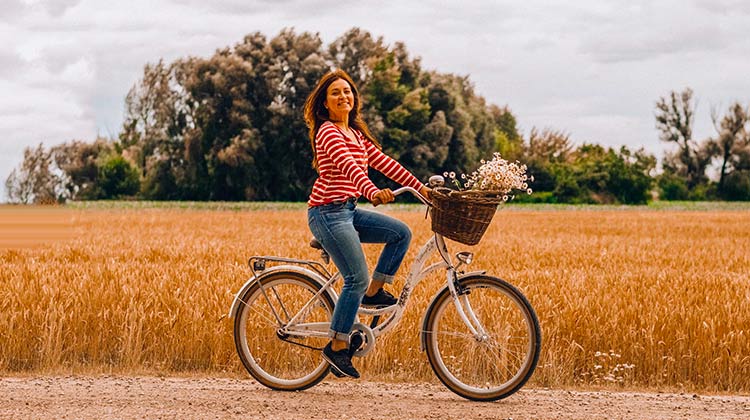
592, 68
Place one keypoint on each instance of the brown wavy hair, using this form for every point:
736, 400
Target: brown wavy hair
316, 113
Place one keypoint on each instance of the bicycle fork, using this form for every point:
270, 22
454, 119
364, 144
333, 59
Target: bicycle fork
463, 307
460, 296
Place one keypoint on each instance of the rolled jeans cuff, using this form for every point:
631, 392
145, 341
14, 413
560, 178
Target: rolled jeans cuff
382, 277
338, 335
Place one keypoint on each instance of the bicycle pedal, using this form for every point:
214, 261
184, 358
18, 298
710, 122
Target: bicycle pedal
355, 342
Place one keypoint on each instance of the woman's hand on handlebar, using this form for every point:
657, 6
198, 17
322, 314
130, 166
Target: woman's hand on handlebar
425, 191
383, 196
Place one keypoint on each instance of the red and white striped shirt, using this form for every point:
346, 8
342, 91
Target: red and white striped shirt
342, 166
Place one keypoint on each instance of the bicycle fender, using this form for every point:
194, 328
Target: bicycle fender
423, 334
293, 268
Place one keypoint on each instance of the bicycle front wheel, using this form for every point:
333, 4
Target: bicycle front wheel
287, 362
496, 361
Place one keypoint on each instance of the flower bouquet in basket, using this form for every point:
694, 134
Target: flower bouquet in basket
464, 214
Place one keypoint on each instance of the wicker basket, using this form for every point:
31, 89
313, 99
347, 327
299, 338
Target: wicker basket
462, 216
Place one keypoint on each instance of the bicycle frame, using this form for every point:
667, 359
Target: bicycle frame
417, 273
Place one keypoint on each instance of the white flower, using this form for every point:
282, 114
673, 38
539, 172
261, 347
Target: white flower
499, 175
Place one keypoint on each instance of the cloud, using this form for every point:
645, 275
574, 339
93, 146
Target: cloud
57, 8
273, 11
12, 9
30, 115
10, 64
644, 32
724, 6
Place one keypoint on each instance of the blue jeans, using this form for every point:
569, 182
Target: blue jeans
342, 228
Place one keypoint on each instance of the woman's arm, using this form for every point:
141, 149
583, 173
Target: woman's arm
334, 145
390, 167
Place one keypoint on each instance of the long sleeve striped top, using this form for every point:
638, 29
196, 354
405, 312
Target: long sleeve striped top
343, 163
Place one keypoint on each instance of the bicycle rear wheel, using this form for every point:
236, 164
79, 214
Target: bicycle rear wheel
488, 366
276, 360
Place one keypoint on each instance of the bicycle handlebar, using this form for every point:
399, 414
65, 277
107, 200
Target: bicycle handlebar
426, 201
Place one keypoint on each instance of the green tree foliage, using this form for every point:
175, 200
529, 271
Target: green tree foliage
737, 186
158, 122
233, 128
587, 174
672, 187
508, 142
296, 65
117, 178
542, 153
473, 126
230, 127
356, 52
396, 108
80, 161
607, 176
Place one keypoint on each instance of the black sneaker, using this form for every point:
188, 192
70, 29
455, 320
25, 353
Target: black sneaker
355, 342
340, 362
380, 299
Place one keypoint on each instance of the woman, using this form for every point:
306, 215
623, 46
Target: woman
343, 148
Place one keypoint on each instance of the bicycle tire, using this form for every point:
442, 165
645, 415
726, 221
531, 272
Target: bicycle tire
274, 361
512, 343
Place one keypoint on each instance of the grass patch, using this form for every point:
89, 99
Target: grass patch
400, 206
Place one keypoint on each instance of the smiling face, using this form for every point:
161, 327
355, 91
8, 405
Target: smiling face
339, 100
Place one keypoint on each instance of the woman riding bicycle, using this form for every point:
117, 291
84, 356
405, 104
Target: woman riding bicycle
343, 149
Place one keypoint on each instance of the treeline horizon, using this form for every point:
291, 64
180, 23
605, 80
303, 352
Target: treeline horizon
230, 128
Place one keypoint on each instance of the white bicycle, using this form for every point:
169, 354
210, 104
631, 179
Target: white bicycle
481, 335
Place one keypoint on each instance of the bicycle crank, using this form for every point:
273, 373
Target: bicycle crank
369, 338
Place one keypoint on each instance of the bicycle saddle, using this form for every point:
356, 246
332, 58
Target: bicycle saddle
315, 244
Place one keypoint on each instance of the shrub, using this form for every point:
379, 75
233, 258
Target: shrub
672, 187
737, 186
117, 178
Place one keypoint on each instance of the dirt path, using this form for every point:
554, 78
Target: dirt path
106, 397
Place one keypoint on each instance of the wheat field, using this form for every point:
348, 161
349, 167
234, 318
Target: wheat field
637, 297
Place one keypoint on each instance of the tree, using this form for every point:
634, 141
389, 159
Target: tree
37, 180
508, 142
474, 128
672, 187
594, 174
391, 80
117, 178
80, 162
674, 120
356, 52
159, 123
431, 150
234, 128
222, 149
733, 138
295, 64
630, 175
543, 152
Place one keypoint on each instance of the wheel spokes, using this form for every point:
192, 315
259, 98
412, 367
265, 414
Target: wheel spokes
500, 357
